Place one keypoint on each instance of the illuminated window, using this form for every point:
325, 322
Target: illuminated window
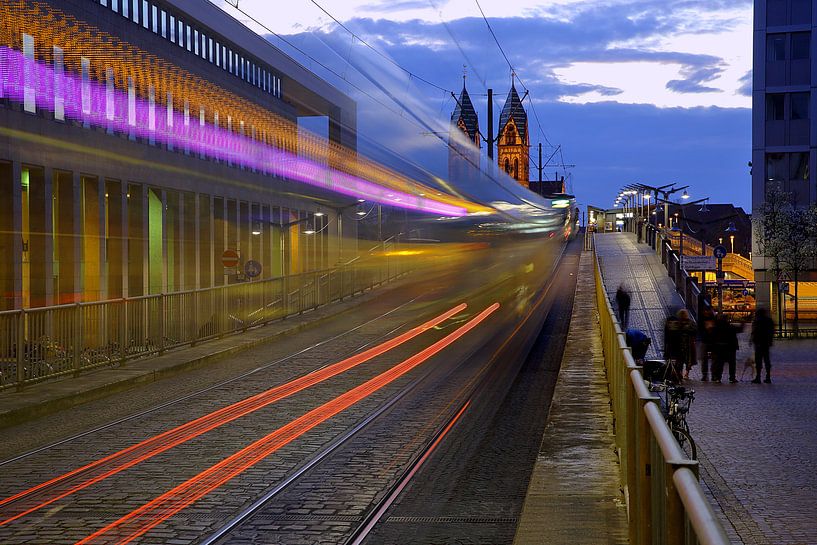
29, 91
145, 13
187, 38
125, 8
115, 5
155, 13
164, 24
195, 41
135, 11
173, 29
59, 83
210, 46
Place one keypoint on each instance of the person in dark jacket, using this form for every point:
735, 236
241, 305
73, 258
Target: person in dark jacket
725, 348
706, 327
623, 304
762, 338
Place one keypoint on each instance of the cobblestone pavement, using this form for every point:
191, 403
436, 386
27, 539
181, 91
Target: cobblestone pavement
75, 516
757, 443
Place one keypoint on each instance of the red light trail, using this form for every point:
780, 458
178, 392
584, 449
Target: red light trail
150, 515
46, 493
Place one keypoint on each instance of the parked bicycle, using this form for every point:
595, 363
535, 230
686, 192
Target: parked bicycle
675, 403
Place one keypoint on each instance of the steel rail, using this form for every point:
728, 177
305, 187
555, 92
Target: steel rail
222, 383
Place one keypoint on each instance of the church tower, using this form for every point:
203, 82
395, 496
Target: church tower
513, 141
463, 139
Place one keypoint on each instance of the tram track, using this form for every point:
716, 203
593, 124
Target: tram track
458, 406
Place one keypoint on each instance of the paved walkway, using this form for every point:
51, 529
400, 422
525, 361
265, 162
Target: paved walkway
574, 496
757, 444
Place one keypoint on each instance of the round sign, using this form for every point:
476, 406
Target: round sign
229, 258
252, 268
719, 252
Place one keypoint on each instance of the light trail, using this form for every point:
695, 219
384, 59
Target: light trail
69, 483
150, 515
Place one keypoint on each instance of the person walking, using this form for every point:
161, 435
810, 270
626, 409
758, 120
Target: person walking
623, 304
679, 343
762, 338
706, 327
725, 349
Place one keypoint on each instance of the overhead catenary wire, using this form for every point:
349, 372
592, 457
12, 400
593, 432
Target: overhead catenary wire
378, 52
510, 65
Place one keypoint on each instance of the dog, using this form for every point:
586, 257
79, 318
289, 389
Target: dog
748, 365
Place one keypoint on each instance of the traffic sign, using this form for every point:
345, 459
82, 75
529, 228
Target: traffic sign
699, 262
719, 252
252, 268
229, 258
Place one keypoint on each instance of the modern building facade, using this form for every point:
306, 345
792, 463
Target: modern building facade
784, 133
139, 139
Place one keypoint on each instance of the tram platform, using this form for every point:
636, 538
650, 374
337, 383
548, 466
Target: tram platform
756, 442
40, 399
574, 495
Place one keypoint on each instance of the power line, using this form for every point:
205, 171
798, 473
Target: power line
510, 65
383, 55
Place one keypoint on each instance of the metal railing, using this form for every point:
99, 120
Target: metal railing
665, 502
41, 343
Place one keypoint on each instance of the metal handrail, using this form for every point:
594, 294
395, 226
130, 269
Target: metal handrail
47, 342
665, 501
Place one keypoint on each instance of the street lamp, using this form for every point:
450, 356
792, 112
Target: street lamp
731, 229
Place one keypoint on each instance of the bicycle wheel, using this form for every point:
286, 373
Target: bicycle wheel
686, 443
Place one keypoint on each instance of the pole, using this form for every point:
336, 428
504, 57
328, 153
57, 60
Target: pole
491, 125
719, 280
540, 163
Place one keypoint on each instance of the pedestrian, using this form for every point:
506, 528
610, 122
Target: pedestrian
725, 348
623, 304
706, 327
639, 343
762, 338
679, 342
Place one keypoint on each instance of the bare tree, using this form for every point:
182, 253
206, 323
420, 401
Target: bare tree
786, 235
771, 226
801, 248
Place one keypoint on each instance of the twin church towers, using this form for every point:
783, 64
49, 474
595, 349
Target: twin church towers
512, 140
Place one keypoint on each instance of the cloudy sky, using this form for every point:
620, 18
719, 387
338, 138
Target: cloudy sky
651, 91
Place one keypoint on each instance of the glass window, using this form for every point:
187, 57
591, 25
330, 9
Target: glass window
196, 42
218, 55
775, 47
104, 2
187, 38
774, 107
155, 21
798, 167
210, 48
776, 166
125, 8
799, 105
800, 42
173, 29
115, 5
164, 24
135, 11
181, 34
801, 12
145, 13
776, 12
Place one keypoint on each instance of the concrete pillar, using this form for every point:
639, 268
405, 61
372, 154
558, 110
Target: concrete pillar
91, 264
115, 250
10, 239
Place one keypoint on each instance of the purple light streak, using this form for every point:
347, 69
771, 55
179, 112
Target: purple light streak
19, 74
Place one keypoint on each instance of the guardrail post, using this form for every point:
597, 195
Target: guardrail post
162, 323
77, 339
123, 332
21, 348
676, 525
